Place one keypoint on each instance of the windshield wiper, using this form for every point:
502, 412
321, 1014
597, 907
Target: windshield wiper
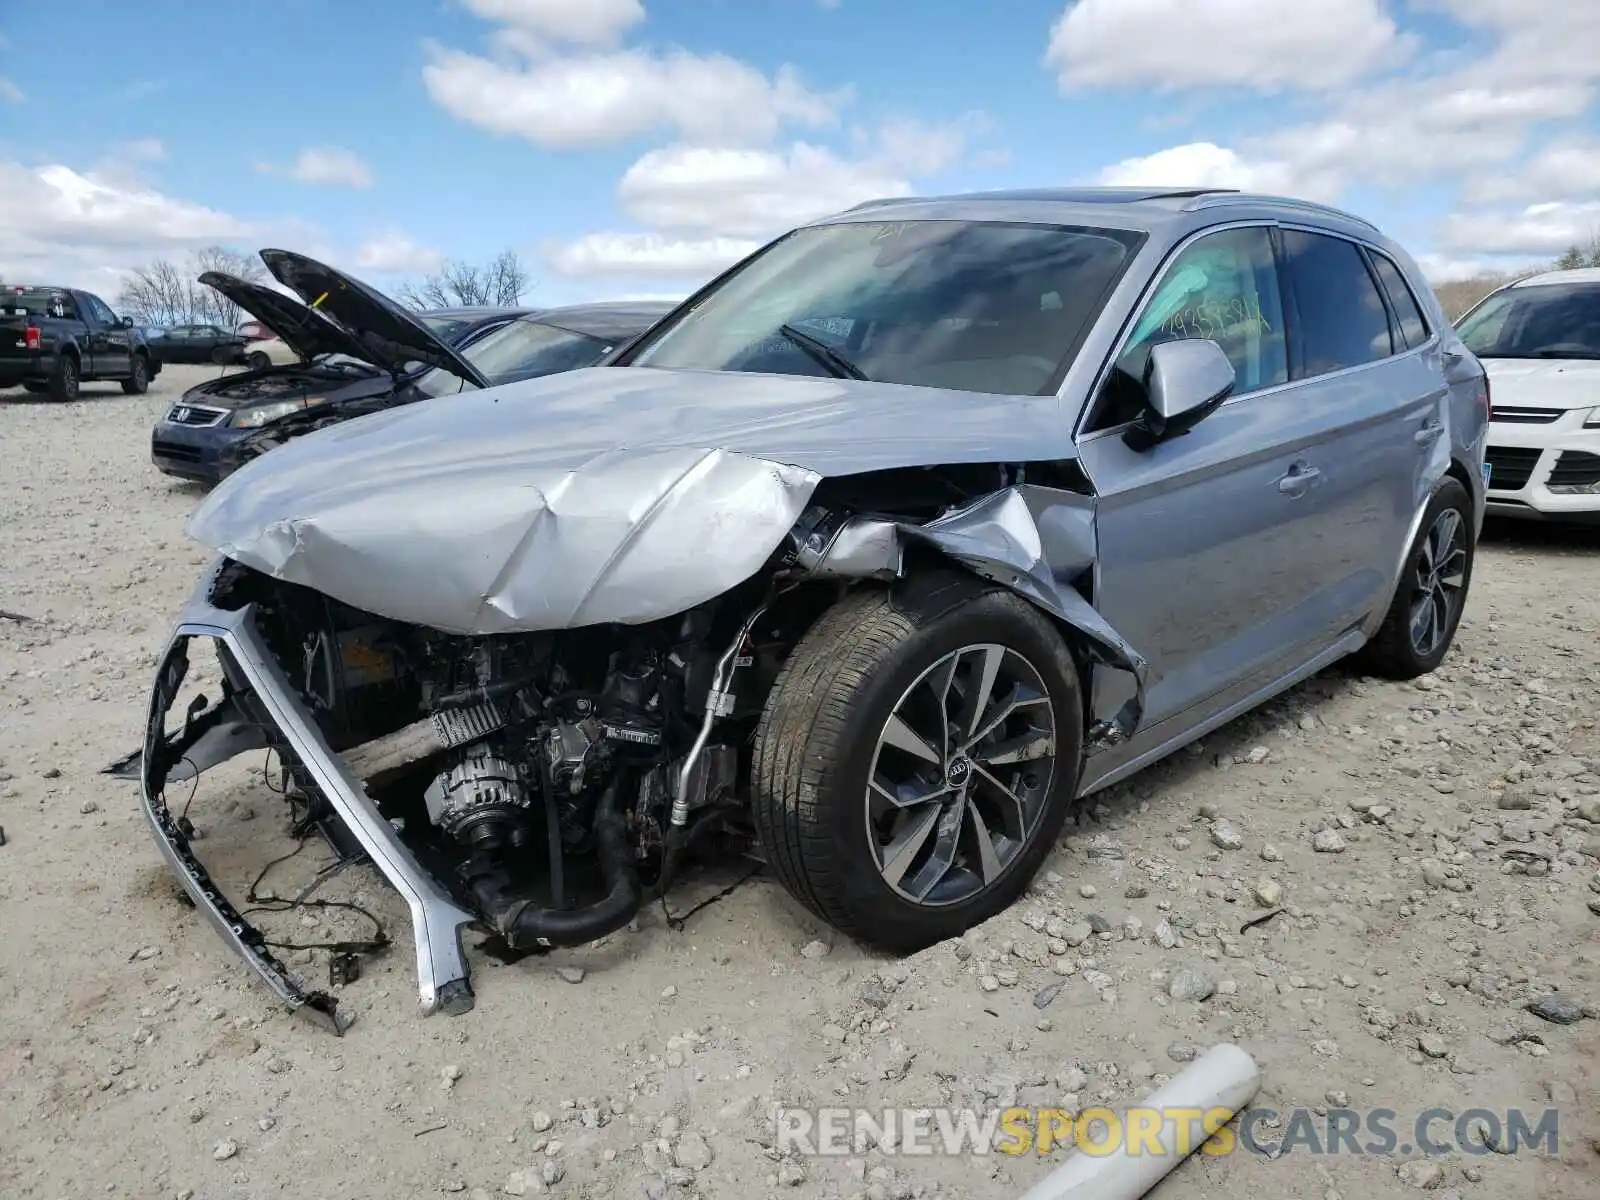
1582, 354
836, 363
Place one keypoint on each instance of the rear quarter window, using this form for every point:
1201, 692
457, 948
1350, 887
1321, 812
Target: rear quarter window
1413, 326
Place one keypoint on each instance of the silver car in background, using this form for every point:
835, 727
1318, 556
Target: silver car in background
881, 551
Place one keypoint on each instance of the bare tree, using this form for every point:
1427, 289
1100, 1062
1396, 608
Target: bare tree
507, 280
170, 293
503, 281
211, 305
158, 294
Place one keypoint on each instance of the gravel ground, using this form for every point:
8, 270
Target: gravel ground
1431, 853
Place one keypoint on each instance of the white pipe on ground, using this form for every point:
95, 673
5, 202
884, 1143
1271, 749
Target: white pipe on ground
1223, 1078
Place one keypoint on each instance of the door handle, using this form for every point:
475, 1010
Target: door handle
1428, 434
1298, 481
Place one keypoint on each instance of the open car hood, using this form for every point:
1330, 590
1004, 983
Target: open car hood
305, 332
388, 335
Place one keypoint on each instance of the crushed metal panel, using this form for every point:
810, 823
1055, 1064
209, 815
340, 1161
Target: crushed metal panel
628, 536
1034, 540
851, 547
606, 494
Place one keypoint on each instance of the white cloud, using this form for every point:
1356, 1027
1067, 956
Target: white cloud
1205, 164
1169, 44
1540, 230
643, 254
1462, 120
60, 225
590, 98
10, 93
916, 147
1564, 171
707, 205
601, 21
394, 252
747, 193
327, 166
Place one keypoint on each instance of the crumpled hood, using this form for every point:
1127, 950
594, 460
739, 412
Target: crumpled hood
605, 494
1544, 382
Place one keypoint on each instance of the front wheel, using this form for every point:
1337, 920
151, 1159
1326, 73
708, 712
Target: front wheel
1426, 610
917, 758
257, 361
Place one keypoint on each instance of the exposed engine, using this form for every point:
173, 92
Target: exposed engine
286, 383
558, 774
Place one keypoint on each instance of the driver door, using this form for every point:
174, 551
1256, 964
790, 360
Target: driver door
112, 344
1208, 560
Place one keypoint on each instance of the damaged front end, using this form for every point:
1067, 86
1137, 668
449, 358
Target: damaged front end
530, 784
558, 700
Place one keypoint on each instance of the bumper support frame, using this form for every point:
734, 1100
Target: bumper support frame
443, 981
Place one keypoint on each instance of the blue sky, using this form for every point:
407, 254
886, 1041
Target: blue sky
630, 147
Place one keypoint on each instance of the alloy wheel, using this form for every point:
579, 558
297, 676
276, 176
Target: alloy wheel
1441, 576
961, 774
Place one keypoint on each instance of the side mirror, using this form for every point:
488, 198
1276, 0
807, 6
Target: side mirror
1184, 382
126, 322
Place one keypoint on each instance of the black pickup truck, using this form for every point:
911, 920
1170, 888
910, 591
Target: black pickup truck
53, 339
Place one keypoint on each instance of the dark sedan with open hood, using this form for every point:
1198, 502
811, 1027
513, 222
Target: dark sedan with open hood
354, 344
534, 345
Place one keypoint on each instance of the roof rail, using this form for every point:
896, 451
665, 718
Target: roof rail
1219, 199
1065, 195
874, 203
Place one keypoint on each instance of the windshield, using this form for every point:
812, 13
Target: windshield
976, 306
520, 350
1548, 320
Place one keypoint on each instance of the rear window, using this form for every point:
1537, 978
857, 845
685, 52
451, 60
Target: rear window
37, 304
1341, 318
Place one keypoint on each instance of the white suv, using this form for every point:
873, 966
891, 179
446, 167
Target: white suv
1539, 339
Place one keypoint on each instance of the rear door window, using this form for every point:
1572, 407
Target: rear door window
1340, 320
1413, 327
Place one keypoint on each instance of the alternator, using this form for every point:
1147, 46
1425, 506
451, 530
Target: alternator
480, 801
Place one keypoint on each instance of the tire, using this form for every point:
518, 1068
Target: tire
1395, 651
867, 659
257, 361
64, 383
138, 383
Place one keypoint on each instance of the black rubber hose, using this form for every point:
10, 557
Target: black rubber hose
523, 923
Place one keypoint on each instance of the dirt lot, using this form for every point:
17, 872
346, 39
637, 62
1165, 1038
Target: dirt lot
1434, 849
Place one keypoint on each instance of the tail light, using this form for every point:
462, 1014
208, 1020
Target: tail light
1484, 398
30, 337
